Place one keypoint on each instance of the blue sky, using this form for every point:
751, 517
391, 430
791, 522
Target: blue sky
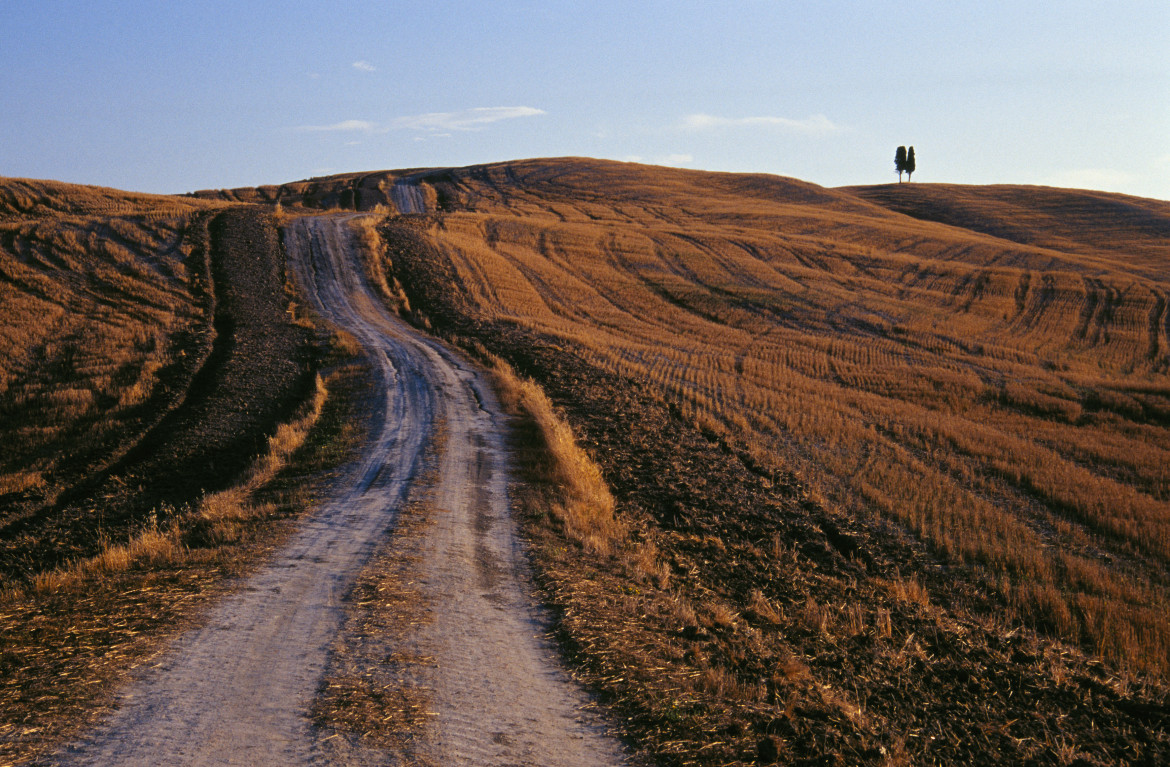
177, 96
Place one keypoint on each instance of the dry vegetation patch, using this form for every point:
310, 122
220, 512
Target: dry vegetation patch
241, 369
68, 637
102, 322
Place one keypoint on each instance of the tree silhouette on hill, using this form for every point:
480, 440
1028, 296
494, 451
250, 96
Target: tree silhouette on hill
900, 162
909, 163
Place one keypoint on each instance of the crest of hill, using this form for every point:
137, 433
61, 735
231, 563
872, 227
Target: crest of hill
1112, 229
554, 180
565, 178
22, 198
354, 191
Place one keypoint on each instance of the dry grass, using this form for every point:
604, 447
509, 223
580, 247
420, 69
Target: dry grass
1005, 401
583, 507
22, 198
865, 450
70, 636
216, 519
857, 439
98, 318
378, 264
106, 315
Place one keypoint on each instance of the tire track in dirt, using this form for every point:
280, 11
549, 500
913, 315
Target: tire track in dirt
238, 691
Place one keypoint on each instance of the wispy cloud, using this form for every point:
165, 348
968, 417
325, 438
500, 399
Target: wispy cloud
432, 124
364, 66
668, 159
815, 125
463, 120
343, 126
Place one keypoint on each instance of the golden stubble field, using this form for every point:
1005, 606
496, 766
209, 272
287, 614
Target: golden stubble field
974, 374
96, 309
889, 463
1004, 398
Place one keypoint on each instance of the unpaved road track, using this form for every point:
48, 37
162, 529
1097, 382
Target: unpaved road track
238, 690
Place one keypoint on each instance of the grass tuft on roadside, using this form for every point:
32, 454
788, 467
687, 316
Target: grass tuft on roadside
580, 501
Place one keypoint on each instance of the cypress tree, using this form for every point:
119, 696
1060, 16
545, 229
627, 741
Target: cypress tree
909, 163
900, 162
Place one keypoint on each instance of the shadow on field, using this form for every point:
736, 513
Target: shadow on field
257, 367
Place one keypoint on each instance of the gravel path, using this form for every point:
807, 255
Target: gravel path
237, 691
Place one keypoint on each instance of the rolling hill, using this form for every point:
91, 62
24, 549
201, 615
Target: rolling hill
827, 411
148, 356
889, 461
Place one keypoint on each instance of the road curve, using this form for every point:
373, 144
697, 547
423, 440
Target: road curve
237, 691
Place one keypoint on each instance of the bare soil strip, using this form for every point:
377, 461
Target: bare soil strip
239, 690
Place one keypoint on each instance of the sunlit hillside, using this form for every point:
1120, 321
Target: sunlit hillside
967, 386
96, 305
1000, 393
150, 354
889, 464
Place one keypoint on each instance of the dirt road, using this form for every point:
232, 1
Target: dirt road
237, 691
408, 197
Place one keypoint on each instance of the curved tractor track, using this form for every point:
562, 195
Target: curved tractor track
238, 691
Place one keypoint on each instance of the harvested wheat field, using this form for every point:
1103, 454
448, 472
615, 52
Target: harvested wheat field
858, 476
890, 462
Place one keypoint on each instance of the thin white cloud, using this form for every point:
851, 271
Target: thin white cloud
815, 125
432, 124
668, 159
364, 66
343, 126
464, 120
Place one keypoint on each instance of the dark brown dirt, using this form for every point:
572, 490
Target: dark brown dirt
259, 370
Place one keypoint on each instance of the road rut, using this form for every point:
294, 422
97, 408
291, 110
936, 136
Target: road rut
237, 691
